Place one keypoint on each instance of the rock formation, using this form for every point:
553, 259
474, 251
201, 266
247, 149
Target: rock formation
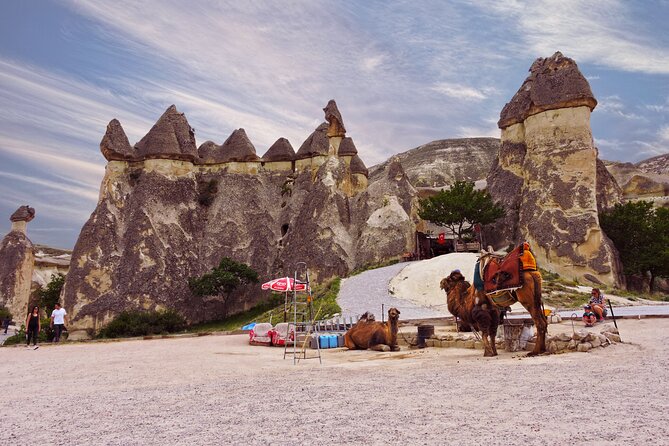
547, 172
646, 180
16, 267
440, 163
168, 212
333, 117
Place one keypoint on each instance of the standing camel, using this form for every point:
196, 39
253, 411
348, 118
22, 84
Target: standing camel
472, 307
529, 295
370, 334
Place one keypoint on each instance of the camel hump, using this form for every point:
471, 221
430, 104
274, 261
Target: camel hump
367, 317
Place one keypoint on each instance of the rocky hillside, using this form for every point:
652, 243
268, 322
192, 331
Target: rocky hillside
657, 165
440, 163
646, 180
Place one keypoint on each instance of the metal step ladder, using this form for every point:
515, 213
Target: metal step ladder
301, 308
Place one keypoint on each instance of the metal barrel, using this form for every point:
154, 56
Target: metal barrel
425, 332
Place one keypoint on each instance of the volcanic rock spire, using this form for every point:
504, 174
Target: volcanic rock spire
170, 138
16, 264
547, 174
335, 122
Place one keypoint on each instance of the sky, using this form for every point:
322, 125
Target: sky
403, 73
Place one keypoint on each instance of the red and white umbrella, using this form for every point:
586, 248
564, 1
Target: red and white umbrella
284, 284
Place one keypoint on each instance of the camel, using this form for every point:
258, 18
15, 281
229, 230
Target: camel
370, 334
529, 295
474, 308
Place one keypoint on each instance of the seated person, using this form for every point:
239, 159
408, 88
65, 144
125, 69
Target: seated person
598, 304
589, 318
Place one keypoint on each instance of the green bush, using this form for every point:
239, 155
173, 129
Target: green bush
4, 312
143, 323
50, 295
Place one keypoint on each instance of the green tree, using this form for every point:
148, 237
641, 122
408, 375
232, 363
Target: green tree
223, 279
641, 235
50, 295
460, 208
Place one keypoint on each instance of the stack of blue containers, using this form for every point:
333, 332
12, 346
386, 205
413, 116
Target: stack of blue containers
328, 341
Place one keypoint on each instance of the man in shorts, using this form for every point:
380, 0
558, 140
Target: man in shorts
58, 318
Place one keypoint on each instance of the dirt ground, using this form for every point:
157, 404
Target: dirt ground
219, 390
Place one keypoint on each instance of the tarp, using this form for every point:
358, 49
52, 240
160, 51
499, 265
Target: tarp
261, 334
283, 332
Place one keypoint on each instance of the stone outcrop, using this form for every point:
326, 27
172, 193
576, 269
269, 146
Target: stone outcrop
281, 150
16, 267
658, 165
170, 138
546, 174
647, 180
49, 262
440, 163
160, 221
335, 123
317, 144
237, 148
115, 145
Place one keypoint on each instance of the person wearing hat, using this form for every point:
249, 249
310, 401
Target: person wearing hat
589, 318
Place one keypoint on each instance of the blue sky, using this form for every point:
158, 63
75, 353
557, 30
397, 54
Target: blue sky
403, 73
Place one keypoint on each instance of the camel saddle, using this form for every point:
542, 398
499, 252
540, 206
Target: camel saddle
504, 274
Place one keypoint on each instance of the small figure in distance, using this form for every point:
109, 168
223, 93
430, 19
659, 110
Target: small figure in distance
5, 323
598, 304
33, 327
589, 318
58, 319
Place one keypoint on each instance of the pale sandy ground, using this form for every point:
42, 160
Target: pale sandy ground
219, 390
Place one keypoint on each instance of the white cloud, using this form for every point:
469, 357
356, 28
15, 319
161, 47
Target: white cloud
478, 131
372, 63
602, 32
615, 106
459, 91
663, 133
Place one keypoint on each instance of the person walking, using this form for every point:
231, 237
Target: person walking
33, 326
5, 323
58, 319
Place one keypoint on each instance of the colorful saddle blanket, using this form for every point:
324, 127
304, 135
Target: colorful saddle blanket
505, 273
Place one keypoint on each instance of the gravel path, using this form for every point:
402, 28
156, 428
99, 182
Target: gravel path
368, 290
220, 390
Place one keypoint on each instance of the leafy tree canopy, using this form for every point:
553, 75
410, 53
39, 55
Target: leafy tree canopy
49, 296
460, 208
223, 279
641, 235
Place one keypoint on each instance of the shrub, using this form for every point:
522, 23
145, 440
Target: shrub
143, 323
4, 312
49, 296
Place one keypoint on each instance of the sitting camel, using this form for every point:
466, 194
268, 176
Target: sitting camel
370, 334
473, 308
